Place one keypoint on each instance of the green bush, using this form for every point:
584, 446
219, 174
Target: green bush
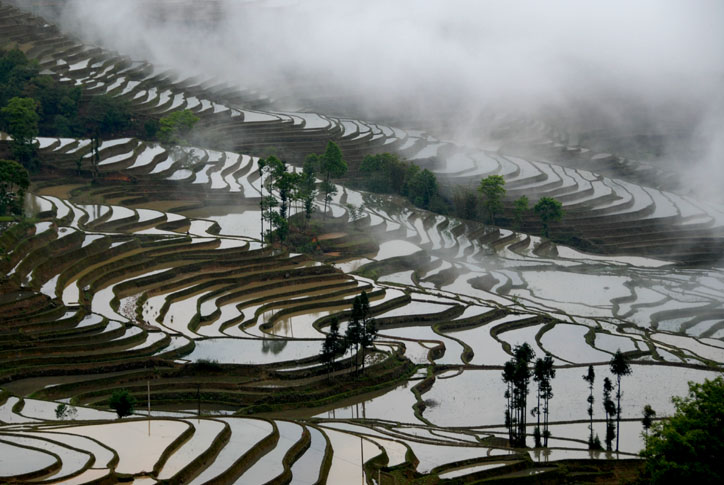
122, 402
688, 447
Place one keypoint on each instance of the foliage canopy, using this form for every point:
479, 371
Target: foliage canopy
122, 402
492, 188
20, 118
385, 173
175, 127
688, 447
14, 181
549, 210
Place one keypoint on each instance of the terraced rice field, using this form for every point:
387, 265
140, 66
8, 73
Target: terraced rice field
153, 279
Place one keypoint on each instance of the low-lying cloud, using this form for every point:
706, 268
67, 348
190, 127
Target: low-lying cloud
614, 67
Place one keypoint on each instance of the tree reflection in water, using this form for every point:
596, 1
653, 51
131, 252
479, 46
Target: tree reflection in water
275, 346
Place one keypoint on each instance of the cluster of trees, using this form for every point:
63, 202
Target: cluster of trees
57, 105
517, 373
20, 120
619, 367
385, 173
360, 335
329, 165
105, 116
688, 446
283, 191
35, 104
492, 191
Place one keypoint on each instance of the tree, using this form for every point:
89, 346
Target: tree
520, 207
308, 188
15, 73
267, 204
492, 188
14, 181
590, 378
508, 379
465, 201
548, 210
105, 115
20, 118
543, 373
688, 447
647, 420
619, 367
333, 345
610, 408
63, 411
57, 103
269, 166
262, 202
361, 330
332, 165
354, 330
423, 188
281, 187
368, 327
383, 173
175, 127
285, 183
122, 402
516, 374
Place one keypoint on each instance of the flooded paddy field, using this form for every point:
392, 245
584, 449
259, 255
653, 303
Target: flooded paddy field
154, 281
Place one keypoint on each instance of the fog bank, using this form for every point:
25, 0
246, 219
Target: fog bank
613, 68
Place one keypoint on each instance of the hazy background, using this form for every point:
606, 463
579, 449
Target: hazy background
644, 78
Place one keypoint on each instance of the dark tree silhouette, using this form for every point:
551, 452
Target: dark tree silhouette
308, 188
362, 330
647, 420
543, 372
281, 187
619, 367
106, 115
590, 378
122, 402
508, 378
549, 374
610, 407
14, 181
20, 118
368, 327
517, 374
334, 345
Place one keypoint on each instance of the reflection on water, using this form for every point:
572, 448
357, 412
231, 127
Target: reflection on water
275, 346
253, 351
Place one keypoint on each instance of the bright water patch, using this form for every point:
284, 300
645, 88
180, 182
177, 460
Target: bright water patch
252, 351
15, 460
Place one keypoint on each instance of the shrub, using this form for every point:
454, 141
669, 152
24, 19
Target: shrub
688, 446
122, 402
